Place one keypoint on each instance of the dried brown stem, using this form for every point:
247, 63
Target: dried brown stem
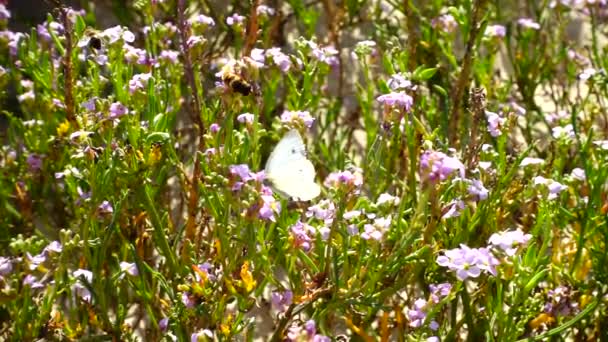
464, 79
252, 28
195, 114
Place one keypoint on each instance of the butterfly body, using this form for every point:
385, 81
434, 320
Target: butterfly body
288, 170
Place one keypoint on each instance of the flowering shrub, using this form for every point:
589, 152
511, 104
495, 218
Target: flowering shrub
460, 148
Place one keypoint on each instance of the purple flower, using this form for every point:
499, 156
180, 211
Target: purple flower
135, 55
560, 302
36, 260
28, 96
235, 19
281, 60
351, 214
477, 190
351, 180
308, 332
509, 241
32, 282
89, 104
214, 128
138, 82
436, 166
84, 277
327, 55
445, 23
376, 231
6, 266
495, 123
265, 10
417, 314
129, 268
300, 234
188, 300
387, 198
399, 81
587, 74
397, 99
555, 188
4, 13
495, 31
531, 161
281, 300
54, 247
34, 162
325, 210
203, 335
242, 171
202, 19
163, 324
171, 56
194, 41
270, 207
105, 208
454, 209
578, 174
294, 118
246, 118
565, 132
468, 262
528, 23
439, 291
117, 110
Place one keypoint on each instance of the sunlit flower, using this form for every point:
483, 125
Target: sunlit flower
265, 10
129, 268
246, 118
202, 19
397, 99
376, 230
6, 266
105, 208
270, 207
83, 279
325, 210
34, 162
31, 281
528, 23
495, 31
468, 262
281, 300
439, 291
495, 123
445, 23
578, 174
170, 56
296, 118
387, 198
5, 14
301, 233
117, 110
235, 19
565, 132
477, 190
509, 241
454, 209
436, 166
350, 180
531, 161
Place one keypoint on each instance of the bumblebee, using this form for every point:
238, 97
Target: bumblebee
237, 83
94, 39
233, 79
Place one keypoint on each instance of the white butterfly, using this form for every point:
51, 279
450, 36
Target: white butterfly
289, 171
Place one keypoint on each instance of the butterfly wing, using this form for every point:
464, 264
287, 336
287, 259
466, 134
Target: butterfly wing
289, 171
